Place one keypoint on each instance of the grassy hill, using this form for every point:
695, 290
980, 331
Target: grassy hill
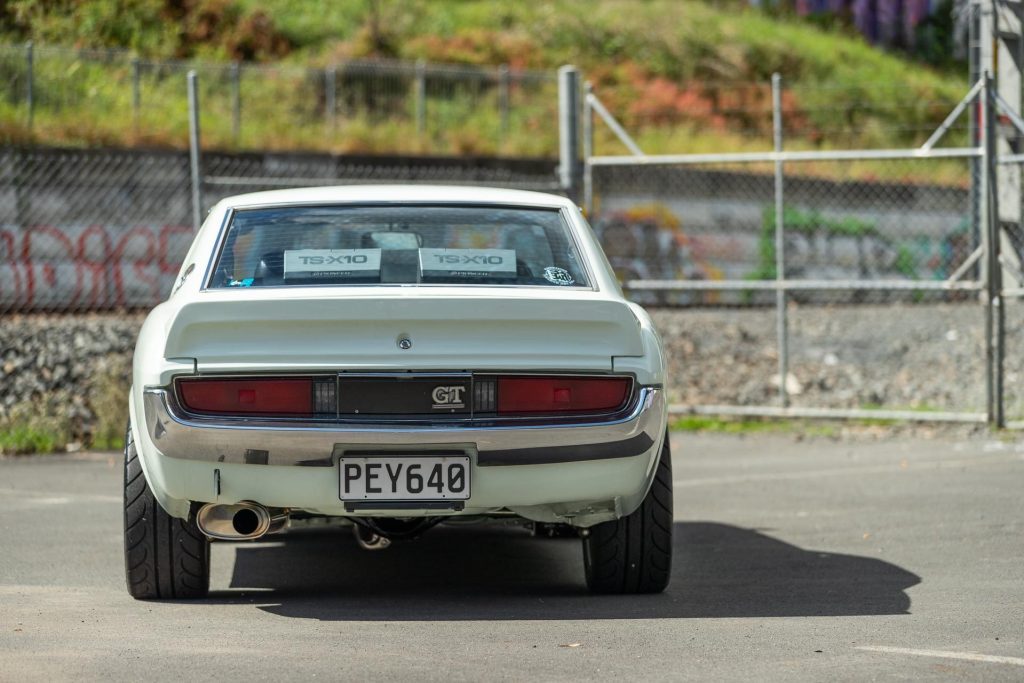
683, 76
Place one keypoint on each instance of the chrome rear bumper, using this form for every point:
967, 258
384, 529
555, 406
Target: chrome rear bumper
318, 444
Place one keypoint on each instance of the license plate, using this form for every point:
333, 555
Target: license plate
395, 478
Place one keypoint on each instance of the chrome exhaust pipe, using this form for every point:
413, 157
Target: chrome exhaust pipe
240, 521
369, 540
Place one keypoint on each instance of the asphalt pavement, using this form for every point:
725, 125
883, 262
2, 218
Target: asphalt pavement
794, 560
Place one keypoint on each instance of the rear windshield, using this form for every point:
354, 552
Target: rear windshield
351, 245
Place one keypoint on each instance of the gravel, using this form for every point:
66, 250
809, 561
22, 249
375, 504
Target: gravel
923, 357
53, 361
927, 357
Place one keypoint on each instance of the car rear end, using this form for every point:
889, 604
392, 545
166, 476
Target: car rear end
418, 359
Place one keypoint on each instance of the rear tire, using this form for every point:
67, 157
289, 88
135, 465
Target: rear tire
165, 558
634, 554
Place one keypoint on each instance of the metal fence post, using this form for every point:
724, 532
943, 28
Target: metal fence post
236, 102
330, 96
994, 314
136, 89
588, 150
974, 127
193, 147
30, 83
504, 79
782, 321
568, 129
421, 97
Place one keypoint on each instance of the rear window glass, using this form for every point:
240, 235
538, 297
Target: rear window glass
351, 245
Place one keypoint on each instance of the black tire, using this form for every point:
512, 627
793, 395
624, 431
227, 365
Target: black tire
165, 558
634, 554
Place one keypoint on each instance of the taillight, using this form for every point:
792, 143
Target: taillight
527, 395
291, 396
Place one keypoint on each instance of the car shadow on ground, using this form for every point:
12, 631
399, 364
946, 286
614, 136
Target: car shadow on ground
504, 573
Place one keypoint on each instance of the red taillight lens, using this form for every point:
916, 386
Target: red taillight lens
273, 396
518, 395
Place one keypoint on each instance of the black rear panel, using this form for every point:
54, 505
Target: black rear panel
397, 395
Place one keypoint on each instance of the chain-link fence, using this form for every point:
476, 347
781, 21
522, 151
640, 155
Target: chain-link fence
874, 261
228, 174
716, 222
1011, 275
88, 230
797, 279
91, 97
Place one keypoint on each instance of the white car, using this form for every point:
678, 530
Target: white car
392, 357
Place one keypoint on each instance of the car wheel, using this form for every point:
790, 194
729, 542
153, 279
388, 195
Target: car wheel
164, 557
634, 554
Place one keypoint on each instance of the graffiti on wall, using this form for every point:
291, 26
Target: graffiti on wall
83, 267
89, 267
825, 247
647, 242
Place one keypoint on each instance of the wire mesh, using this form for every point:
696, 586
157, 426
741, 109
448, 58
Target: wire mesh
1011, 256
882, 270
111, 97
922, 357
88, 230
718, 356
82, 230
905, 219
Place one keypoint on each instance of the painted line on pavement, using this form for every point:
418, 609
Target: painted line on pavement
944, 654
891, 468
57, 497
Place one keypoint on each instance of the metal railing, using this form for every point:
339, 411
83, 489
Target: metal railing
822, 235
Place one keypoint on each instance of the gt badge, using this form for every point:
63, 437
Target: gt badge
448, 397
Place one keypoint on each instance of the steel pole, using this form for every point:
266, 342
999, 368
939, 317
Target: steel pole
236, 102
330, 96
782, 322
569, 129
504, 83
975, 134
30, 83
421, 97
996, 314
136, 90
193, 147
588, 150
990, 213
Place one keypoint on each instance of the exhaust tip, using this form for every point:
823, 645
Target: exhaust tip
240, 521
246, 522
368, 540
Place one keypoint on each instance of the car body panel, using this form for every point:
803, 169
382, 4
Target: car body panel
361, 327
458, 328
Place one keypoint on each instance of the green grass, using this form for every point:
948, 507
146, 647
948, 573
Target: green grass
822, 427
42, 425
748, 426
31, 439
28, 439
683, 76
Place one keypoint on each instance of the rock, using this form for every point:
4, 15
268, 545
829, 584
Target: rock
793, 386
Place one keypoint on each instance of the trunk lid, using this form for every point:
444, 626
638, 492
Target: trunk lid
239, 331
